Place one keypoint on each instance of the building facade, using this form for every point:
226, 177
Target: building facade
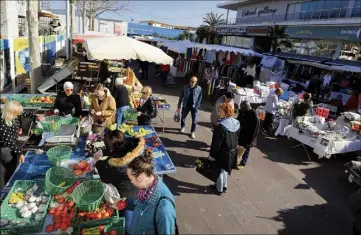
318, 28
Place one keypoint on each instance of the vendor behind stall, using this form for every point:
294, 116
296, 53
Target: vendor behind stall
11, 154
304, 107
270, 108
112, 168
147, 109
121, 97
67, 103
103, 106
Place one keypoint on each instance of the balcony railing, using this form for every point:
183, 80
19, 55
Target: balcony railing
336, 13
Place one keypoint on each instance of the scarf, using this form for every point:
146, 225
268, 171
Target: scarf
145, 194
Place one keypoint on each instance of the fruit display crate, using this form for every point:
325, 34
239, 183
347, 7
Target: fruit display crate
45, 101
117, 227
30, 224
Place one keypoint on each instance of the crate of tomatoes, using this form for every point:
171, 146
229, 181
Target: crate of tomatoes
100, 228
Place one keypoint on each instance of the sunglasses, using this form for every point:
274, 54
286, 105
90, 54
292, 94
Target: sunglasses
144, 93
193, 81
68, 89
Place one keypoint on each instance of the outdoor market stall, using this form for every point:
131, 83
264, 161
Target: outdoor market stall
327, 138
37, 169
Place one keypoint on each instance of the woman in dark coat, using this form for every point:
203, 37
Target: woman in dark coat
224, 146
68, 103
250, 126
112, 168
147, 109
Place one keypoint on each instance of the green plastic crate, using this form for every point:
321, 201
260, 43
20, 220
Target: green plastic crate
58, 154
130, 115
10, 213
88, 195
117, 225
56, 176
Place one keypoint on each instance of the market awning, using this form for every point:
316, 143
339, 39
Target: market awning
123, 47
344, 62
47, 14
80, 38
310, 63
294, 56
346, 68
65, 71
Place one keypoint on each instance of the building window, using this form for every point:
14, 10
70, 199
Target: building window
324, 48
236, 41
356, 10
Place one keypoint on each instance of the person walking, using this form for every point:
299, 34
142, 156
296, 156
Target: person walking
227, 98
250, 126
147, 109
122, 101
11, 154
270, 108
154, 209
224, 146
190, 100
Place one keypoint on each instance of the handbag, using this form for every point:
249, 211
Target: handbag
176, 116
208, 169
240, 151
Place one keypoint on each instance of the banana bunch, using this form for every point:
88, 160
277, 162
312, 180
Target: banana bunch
126, 128
16, 197
142, 132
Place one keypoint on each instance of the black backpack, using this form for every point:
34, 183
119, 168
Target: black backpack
155, 215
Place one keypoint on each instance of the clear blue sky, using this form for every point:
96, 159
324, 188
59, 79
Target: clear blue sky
186, 13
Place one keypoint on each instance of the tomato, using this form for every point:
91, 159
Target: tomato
76, 167
57, 214
64, 226
110, 211
64, 214
51, 211
101, 229
98, 216
113, 232
82, 165
49, 228
59, 208
56, 197
87, 168
78, 172
120, 204
57, 226
105, 215
61, 200
71, 203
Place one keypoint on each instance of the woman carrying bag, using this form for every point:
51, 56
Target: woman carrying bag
224, 146
147, 109
103, 107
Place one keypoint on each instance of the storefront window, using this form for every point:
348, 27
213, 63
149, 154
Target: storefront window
324, 48
356, 11
351, 51
236, 41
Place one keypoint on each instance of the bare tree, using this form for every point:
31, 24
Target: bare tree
34, 45
92, 9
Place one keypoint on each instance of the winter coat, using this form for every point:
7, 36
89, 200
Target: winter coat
250, 126
113, 170
197, 96
215, 111
355, 208
224, 143
68, 104
148, 112
107, 107
121, 96
142, 221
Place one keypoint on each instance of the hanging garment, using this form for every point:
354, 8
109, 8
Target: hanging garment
232, 57
228, 59
221, 56
238, 58
194, 54
189, 53
210, 56
200, 54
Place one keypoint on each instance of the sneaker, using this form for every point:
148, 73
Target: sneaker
214, 189
193, 135
183, 130
240, 167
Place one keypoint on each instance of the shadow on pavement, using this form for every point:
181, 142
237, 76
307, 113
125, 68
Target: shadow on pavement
188, 144
318, 220
182, 160
178, 187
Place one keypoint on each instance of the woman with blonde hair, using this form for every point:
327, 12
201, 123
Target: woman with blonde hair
147, 109
11, 114
103, 106
224, 146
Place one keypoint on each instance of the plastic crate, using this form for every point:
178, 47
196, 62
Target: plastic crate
10, 213
130, 114
117, 225
58, 154
88, 195
57, 175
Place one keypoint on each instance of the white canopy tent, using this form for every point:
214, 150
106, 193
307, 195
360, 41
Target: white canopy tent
347, 68
181, 47
123, 47
310, 63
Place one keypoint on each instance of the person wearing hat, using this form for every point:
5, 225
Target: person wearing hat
121, 97
227, 98
67, 103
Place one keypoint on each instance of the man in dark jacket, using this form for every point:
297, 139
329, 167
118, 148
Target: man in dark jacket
121, 97
68, 103
250, 126
355, 208
190, 100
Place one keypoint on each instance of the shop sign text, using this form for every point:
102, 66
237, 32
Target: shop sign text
259, 12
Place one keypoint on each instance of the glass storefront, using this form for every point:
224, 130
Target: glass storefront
351, 51
324, 48
235, 41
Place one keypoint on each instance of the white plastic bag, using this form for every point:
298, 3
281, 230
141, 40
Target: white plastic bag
112, 195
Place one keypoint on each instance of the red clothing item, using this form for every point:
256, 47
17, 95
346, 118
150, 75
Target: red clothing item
352, 103
164, 67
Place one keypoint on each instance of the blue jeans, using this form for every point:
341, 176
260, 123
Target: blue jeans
120, 112
194, 112
245, 157
222, 180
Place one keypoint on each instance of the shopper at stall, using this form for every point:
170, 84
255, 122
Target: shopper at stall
352, 103
104, 71
154, 209
112, 167
250, 74
303, 108
190, 100
147, 109
227, 98
103, 106
270, 108
122, 101
164, 70
11, 154
224, 146
67, 103
250, 126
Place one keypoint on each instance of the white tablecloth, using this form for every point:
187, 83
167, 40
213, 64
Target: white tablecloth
283, 123
324, 150
248, 95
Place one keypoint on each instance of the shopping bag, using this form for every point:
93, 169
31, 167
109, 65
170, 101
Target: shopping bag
208, 169
177, 116
240, 151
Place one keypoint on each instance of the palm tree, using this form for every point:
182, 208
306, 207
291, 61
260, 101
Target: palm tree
279, 32
208, 28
